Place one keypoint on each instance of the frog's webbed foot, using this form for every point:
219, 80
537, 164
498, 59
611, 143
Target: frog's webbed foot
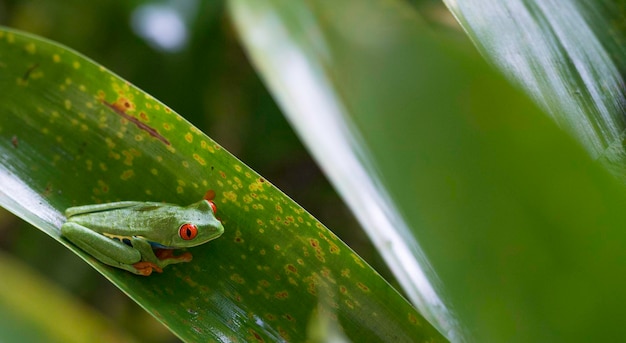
145, 268
166, 257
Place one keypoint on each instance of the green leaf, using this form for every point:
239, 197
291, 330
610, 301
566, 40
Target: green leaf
568, 56
73, 133
519, 232
27, 302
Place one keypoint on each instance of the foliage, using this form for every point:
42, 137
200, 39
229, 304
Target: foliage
74, 133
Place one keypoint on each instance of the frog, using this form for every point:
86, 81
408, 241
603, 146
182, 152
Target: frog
141, 237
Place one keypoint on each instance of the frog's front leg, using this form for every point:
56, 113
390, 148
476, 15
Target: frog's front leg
104, 249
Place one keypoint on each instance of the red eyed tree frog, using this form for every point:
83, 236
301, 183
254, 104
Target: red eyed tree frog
140, 236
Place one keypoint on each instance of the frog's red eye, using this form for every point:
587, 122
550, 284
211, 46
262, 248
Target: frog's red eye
213, 207
188, 231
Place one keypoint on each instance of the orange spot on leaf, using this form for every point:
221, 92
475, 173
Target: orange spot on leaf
291, 269
257, 337
281, 295
363, 287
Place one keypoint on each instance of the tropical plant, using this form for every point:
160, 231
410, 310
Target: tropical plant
498, 221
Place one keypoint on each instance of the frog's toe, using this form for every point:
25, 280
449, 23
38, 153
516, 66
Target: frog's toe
145, 268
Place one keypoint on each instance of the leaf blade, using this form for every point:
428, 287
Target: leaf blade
75, 134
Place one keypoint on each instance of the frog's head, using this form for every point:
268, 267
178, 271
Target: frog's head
198, 225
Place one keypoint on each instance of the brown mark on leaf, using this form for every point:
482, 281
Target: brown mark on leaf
290, 268
81, 148
257, 337
343, 289
29, 71
282, 295
14, 141
48, 190
121, 106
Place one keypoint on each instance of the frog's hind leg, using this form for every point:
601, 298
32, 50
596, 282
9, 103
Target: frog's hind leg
104, 249
159, 258
166, 257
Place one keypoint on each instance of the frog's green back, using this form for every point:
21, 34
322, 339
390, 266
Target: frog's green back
156, 222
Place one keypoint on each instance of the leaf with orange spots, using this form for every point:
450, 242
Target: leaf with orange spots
73, 133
